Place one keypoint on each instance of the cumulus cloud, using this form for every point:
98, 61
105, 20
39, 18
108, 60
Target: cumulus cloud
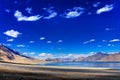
10, 40
12, 33
20, 45
21, 17
42, 38
115, 40
45, 55
51, 12
86, 42
106, 8
75, 12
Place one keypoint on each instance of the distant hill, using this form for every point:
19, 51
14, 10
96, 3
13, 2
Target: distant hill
112, 57
101, 57
9, 55
96, 57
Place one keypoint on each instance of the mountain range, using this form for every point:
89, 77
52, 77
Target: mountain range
12, 56
99, 57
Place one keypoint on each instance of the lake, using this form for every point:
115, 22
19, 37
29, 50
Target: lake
115, 65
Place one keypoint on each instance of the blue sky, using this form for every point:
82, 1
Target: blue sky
60, 27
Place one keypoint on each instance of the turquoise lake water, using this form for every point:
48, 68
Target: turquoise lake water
115, 65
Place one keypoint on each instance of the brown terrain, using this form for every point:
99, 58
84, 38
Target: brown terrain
21, 71
9, 55
103, 57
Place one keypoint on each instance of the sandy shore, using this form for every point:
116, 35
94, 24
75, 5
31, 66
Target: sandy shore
31, 72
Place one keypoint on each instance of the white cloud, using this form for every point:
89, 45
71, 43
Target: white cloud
86, 42
7, 10
106, 8
32, 53
20, 17
10, 40
32, 41
115, 40
29, 53
29, 10
108, 29
45, 55
110, 45
12, 33
51, 12
96, 4
20, 45
49, 42
73, 56
42, 38
7, 44
59, 41
75, 12
104, 40
25, 53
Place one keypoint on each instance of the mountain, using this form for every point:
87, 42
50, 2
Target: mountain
112, 57
96, 57
9, 55
101, 57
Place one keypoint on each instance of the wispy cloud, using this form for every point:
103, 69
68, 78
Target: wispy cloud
7, 10
10, 40
42, 38
59, 41
20, 45
96, 4
21, 17
110, 45
104, 40
32, 53
49, 42
7, 44
86, 42
115, 40
12, 33
108, 29
106, 8
29, 53
51, 12
31, 41
75, 12
29, 10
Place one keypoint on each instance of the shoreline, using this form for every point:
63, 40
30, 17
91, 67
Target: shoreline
56, 72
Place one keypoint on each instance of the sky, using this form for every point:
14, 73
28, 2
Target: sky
60, 28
